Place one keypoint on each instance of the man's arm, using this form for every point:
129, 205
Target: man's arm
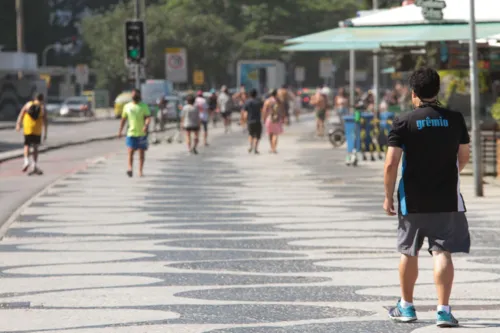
122, 123
393, 157
463, 149
20, 118
463, 156
392, 160
45, 124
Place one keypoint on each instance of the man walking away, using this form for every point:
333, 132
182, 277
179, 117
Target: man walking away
34, 120
320, 102
253, 114
434, 144
212, 107
190, 119
201, 104
225, 105
138, 116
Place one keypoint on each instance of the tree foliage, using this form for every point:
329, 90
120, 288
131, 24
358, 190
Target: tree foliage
215, 32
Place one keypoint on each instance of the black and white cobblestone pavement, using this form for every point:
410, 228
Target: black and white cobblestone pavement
227, 242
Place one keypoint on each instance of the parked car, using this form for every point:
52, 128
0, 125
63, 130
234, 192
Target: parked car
53, 105
76, 106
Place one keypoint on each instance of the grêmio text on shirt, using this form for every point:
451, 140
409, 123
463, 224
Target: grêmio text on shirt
435, 122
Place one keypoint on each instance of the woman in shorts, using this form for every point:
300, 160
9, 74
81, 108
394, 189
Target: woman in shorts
191, 122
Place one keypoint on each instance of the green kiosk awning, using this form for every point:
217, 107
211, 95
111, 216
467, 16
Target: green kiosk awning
398, 34
312, 47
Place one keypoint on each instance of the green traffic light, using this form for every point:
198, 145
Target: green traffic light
134, 53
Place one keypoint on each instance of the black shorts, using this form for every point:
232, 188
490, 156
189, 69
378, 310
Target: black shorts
192, 128
226, 114
32, 140
204, 124
447, 232
255, 130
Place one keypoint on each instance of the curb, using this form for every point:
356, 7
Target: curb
11, 155
4, 227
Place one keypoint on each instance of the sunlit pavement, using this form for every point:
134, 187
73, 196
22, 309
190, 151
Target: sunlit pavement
227, 241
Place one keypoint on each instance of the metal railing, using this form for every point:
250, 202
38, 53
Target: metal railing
489, 152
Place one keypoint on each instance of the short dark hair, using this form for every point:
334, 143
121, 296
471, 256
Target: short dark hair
425, 83
39, 97
274, 92
190, 99
253, 93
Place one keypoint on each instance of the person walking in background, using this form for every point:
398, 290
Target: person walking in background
202, 106
434, 144
320, 103
34, 121
239, 99
253, 111
225, 105
138, 116
212, 107
297, 105
191, 122
342, 102
274, 114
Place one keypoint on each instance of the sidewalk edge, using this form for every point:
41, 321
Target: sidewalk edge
4, 227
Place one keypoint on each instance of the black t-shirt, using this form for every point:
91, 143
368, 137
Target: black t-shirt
212, 102
430, 137
254, 107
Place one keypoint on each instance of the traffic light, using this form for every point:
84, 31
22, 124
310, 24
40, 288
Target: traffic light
134, 41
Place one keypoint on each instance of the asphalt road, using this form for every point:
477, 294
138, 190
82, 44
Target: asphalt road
61, 132
230, 242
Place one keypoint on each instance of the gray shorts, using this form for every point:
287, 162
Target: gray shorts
445, 232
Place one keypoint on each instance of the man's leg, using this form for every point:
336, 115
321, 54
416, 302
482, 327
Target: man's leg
205, 133
444, 273
142, 158
130, 161
188, 140
250, 140
256, 145
408, 274
196, 140
36, 169
26, 164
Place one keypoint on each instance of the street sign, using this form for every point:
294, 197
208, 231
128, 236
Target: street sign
432, 10
82, 74
198, 78
135, 44
176, 65
300, 74
131, 72
325, 68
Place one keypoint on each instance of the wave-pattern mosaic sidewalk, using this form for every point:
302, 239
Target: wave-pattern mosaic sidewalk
228, 242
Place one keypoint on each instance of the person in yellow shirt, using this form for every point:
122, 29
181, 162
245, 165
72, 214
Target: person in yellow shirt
138, 116
33, 119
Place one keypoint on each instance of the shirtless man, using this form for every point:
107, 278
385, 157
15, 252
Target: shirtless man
320, 102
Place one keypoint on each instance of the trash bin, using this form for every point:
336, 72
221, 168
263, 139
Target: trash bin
366, 127
352, 131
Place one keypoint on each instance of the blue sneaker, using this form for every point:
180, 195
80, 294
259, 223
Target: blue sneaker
402, 315
445, 319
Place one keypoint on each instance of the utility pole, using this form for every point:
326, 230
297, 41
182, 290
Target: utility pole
376, 73
138, 65
20, 29
474, 103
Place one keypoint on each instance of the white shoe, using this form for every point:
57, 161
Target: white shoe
26, 166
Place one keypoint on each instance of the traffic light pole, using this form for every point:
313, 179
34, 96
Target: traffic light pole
137, 68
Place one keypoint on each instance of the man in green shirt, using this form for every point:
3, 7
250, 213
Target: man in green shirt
138, 116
